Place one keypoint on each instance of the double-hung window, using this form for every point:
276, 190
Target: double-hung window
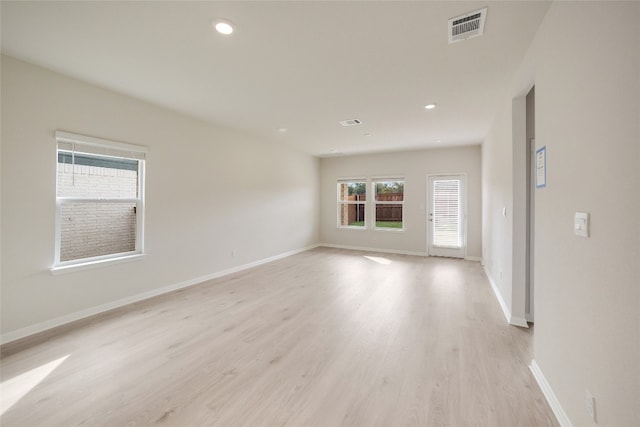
99, 200
352, 203
388, 204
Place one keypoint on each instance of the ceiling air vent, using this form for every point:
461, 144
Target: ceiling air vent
352, 122
467, 26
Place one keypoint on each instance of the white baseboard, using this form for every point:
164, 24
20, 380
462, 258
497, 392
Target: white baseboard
78, 315
553, 401
518, 321
512, 320
388, 251
496, 291
366, 249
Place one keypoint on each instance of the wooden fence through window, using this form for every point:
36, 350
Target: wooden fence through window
390, 212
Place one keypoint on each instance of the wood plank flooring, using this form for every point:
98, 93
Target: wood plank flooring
327, 337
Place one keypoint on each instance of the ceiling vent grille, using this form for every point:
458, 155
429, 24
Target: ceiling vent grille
352, 122
467, 26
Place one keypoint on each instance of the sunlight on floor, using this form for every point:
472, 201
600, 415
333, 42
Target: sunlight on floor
16, 388
379, 260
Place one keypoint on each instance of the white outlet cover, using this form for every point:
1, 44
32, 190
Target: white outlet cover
581, 224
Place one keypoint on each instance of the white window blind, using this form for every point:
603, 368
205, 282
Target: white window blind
91, 145
446, 213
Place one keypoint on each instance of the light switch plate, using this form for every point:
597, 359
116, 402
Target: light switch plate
581, 224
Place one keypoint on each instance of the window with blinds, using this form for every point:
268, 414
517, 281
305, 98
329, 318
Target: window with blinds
99, 199
447, 215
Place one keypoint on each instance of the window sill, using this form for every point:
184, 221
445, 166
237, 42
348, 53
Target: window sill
392, 230
61, 269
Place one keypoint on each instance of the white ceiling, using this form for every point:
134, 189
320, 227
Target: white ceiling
302, 66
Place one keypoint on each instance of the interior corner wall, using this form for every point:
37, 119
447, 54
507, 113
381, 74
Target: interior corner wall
209, 191
414, 166
585, 63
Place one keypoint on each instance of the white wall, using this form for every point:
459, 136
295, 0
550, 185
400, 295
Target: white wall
208, 191
414, 166
585, 63
497, 197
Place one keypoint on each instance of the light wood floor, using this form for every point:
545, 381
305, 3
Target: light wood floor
326, 338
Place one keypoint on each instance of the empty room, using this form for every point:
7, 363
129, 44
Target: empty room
320, 213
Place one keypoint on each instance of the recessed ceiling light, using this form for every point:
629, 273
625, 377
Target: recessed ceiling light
282, 130
367, 134
223, 26
430, 106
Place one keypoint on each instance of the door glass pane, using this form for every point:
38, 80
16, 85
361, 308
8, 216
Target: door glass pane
446, 213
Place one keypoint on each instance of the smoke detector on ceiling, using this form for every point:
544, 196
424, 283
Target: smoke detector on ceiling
352, 122
467, 26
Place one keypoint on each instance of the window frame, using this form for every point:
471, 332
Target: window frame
106, 149
341, 203
375, 202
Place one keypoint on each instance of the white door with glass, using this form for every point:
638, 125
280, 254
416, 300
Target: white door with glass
446, 216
